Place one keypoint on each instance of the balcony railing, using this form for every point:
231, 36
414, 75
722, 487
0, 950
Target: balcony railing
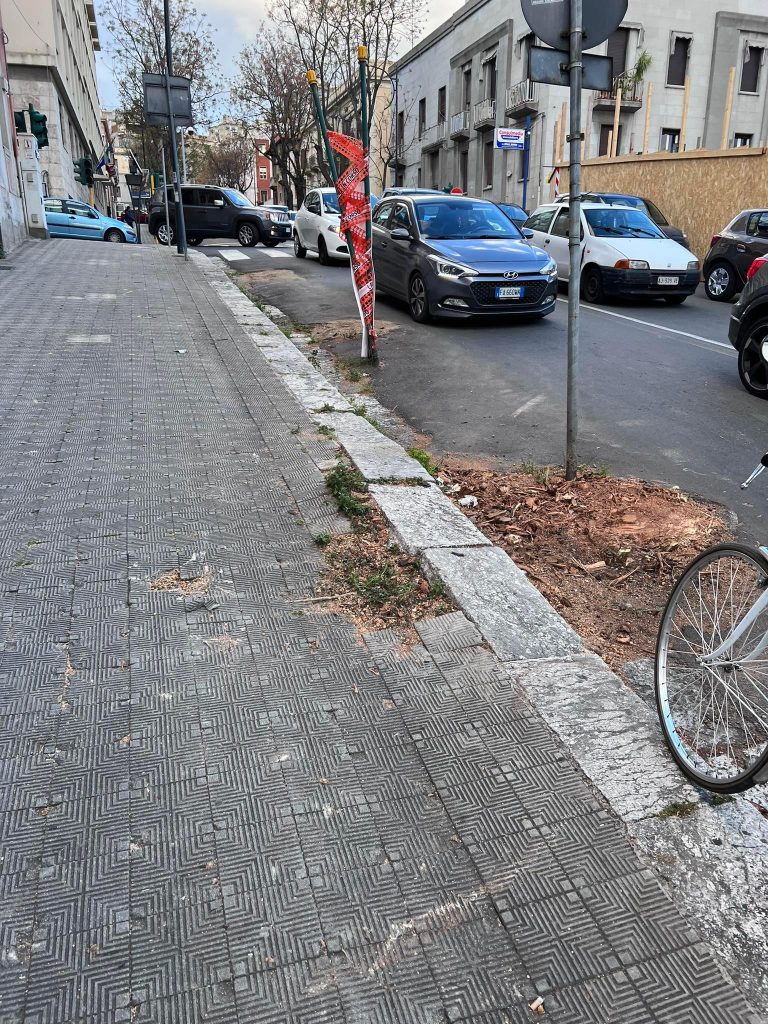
523, 95
631, 91
460, 123
485, 112
434, 135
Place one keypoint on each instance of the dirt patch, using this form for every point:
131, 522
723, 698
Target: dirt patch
346, 330
604, 551
251, 282
178, 584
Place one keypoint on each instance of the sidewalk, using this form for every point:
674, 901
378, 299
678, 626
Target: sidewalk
216, 802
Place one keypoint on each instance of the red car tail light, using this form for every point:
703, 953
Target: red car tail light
715, 240
759, 262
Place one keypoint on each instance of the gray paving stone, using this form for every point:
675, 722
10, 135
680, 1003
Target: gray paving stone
377, 456
422, 517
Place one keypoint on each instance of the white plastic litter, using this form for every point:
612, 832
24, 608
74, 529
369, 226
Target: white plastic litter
469, 502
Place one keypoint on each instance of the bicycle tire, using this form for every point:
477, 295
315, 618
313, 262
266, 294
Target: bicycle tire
691, 762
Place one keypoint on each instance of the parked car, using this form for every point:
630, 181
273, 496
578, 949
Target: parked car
214, 212
623, 252
280, 207
756, 264
516, 214
748, 333
732, 252
403, 190
451, 256
638, 203
316, 228
68, 218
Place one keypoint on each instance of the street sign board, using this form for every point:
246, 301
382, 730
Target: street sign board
156, 100
551, 68
510, 138
550, 20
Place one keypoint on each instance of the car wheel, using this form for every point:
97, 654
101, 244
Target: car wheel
166, 233
418, 299
592, 285
246, 235
114, 235
720, 284
194, 241
753, 360
322, 252
675, 300
298, 248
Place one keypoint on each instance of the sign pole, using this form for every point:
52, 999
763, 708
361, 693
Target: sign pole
181, 240
526, 162
574, 243
371, 348
165, 196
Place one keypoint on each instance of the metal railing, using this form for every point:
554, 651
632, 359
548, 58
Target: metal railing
521, 93
460, 122
435, 134
485, 110
631, 89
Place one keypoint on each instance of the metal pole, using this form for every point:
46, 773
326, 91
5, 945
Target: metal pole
183, 158
574, 244
526, 162
371, 348
181, 234
397, 142
165, 193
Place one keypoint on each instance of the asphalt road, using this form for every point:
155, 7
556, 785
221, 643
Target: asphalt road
660, 395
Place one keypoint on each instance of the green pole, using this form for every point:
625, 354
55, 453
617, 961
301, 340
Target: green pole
329, 155
362, 57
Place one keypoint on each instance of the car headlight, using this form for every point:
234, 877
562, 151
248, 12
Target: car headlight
267, 216
451, 271
550, 270
631, 265
694, 265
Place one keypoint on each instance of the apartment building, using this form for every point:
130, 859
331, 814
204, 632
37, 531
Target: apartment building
12, 219
50, 48
470, 76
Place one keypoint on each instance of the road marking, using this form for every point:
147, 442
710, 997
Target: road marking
658, 327
89, 339
233, 255
277, 252
527, 405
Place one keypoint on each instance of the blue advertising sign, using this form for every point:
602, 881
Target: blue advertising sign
510, 138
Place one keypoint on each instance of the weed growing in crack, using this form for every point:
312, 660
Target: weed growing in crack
682, 809
381, 586
322, 539
326, 431
343, 483
426, 460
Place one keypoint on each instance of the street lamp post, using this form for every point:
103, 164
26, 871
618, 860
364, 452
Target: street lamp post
181, 234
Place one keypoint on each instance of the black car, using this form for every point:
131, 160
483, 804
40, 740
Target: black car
638, 203
451, 256
748, 333
732, 253
214, 212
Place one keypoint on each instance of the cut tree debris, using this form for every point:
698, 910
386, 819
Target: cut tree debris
604, 551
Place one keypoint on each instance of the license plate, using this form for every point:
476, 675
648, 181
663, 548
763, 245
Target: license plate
510, 292
669, 280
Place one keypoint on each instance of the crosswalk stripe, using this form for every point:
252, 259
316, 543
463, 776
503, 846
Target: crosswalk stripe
272, 253
234, 255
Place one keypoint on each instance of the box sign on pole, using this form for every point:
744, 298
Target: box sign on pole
510, 138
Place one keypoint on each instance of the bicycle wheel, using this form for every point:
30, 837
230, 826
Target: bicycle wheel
715, 715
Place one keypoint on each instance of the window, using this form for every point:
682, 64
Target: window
464, 170
488, 162
263, 196
670, 140
312, 202
80, 209
617, 50
449, 217
750, 69
606, 130
262, 174
677, 68
742, 139
441, 105
434, 169
757, 224
466, 86
422, 116
540, 220
401, 218
381, 214
489, 77
560, 227
614, 222
400, 131
54, 206
418, 178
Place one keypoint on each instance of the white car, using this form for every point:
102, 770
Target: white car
623, 253
316, 228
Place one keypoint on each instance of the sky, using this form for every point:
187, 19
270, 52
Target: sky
236, 23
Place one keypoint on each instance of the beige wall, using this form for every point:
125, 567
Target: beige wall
700, 191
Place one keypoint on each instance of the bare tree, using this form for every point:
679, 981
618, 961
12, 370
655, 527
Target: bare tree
229, 162
271, 90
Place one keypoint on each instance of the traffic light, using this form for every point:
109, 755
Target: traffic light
20, 121
83, 170
37, 125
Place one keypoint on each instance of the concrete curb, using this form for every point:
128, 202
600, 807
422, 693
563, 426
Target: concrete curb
712, 859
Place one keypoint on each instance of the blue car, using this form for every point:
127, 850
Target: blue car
69, 218
451, 256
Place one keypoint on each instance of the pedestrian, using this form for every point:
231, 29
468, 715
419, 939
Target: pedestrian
128, 216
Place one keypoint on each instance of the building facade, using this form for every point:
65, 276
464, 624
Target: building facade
12, 220
470, 76
51, 48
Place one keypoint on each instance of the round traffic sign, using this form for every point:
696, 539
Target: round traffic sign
550, 20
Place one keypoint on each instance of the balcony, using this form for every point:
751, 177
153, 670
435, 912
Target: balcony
434, 137
484, 114
460, 125
522, 99
631, 95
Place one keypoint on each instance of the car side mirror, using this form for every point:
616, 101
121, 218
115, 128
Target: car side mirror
218, 202
527, 233
401, 235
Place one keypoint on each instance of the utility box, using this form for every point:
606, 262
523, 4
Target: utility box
32, 184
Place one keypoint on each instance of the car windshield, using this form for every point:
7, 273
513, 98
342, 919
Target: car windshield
613, 222
331, 202
237, 197
460, 219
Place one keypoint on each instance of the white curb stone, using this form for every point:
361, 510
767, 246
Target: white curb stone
422, 517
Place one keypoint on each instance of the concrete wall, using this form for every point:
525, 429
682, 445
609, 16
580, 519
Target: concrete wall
12, 219
701, 192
